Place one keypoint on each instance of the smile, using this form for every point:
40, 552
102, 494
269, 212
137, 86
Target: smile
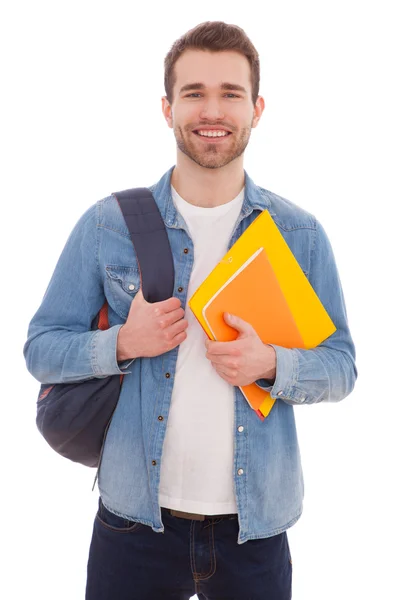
212, 136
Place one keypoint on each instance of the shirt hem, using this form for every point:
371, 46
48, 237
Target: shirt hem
246, 538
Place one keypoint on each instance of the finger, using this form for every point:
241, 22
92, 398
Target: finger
166, 306
167, 319
228, 348
139, 296
178, 339
224, 370
224, 361
176, 328
226, 374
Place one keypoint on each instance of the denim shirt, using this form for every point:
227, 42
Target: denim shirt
99, 262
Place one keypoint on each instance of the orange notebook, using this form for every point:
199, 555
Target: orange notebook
254, 294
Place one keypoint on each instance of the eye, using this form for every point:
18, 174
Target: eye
197, 94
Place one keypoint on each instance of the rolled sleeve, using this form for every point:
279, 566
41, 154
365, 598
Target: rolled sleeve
105, 354
286, 366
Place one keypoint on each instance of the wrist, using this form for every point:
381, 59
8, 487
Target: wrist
270, 373
122, 351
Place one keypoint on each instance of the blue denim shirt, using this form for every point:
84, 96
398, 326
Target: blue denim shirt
99, 262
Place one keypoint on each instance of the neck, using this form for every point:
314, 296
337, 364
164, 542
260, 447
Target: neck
207, 187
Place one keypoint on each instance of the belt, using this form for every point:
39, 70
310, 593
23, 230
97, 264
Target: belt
197, 517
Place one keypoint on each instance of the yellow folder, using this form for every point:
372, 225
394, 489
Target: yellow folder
260, 276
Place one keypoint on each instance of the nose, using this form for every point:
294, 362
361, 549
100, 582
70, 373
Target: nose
211, 109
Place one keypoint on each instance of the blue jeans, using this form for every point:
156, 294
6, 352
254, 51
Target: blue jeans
129, 561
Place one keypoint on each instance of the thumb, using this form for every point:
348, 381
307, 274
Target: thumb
139, 296
238, 323
137, 301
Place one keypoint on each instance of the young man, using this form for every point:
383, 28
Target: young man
196, 492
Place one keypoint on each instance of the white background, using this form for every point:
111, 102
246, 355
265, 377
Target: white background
80, 118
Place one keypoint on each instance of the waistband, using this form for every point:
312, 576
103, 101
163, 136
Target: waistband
195, 516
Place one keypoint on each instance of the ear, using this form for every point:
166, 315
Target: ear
167, 111
258, 111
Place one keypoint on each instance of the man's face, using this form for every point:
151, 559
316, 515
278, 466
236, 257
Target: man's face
212, 97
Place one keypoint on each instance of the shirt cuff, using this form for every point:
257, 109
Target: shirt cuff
104, 356
286, 368
125, 364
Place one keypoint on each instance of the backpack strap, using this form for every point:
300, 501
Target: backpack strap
150, 240
153, 251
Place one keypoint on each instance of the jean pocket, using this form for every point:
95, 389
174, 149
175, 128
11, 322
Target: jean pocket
115, 523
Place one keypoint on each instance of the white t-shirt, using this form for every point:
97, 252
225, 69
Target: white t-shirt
197, 460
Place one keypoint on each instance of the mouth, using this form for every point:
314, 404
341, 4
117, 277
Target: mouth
214, 136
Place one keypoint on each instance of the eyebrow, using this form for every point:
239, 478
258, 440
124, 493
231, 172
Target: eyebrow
223, 86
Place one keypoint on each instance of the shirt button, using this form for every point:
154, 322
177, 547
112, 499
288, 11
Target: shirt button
241, 428
180, 289
153, 462
160, 418
240, 472
167, 375
280, 393
131, 287
186, 250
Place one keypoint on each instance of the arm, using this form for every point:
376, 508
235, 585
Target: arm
328, 372
61, 348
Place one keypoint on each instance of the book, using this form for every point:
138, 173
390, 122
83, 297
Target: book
260, 280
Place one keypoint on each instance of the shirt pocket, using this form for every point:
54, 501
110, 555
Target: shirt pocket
123, 284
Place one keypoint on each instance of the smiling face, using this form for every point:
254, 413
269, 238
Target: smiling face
212, 112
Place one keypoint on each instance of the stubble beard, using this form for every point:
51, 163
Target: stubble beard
212, 156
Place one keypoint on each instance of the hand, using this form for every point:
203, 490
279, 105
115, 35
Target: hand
245, 359
151, 328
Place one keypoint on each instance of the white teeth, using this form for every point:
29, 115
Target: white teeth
213, 133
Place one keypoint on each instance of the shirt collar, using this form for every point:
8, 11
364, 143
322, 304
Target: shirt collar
254, 198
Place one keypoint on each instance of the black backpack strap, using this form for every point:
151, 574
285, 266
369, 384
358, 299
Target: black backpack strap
150, 240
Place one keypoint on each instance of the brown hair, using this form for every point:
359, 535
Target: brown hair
215, 36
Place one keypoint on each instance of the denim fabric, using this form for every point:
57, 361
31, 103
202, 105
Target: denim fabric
99, 262
129, 561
